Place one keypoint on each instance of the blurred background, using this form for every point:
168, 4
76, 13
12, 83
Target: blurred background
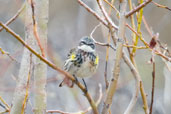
68, 22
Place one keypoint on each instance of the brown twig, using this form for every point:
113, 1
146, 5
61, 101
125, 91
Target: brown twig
147, 45
4, 105
15, 16
80, 112
4, 112
161, 6
27, 87
106, 16
35, 29
89, 98
95, 14
110, 4
105, 73
105, 44
137, 8
99, 43
147, 26
11, 57
108, 40
153, 84
137, 47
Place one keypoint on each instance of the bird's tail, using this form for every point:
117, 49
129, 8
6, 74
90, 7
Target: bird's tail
67, 82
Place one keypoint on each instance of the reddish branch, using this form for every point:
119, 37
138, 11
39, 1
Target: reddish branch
161, 6
14, 17
137, 8
35, 30
153, 85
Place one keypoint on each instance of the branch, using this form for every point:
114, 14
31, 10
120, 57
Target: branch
35, 29
107, 18
153, 83
147, 45
80, 112
137, 78
10, 56
89, 98
113, 82
138, 8
99, 43
27, 87
7, 107
95, 14
161, 6
15, 16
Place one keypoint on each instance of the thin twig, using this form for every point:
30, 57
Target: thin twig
138, 8
35, 29
147, 26
80, 112
107, 18
144, 98
94, 29
6, 105
105, 44
111, 5
137, 47
147, 45
106, 63
107, 49
9, 55
27, 87
161, 6
95, 14
137, 85
99, 43
89, 98
153, 83
15, 16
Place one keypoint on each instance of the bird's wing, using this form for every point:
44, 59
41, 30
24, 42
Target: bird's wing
71, 57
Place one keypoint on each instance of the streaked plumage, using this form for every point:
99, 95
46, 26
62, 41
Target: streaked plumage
82, 61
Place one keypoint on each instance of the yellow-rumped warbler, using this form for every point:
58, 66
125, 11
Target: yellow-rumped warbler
82, 61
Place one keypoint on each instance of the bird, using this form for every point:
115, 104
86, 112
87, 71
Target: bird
81, 61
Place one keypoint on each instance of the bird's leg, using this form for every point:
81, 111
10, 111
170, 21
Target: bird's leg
76, 80
85, 85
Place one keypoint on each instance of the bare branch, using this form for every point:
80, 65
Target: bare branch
137, 8
114, 79
15, 16
107, 18
80, 112
95, 14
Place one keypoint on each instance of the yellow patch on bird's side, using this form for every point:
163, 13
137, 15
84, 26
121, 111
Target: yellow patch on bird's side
97, 60
72, 56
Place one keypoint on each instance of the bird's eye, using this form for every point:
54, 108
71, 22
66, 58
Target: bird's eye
82, 43
92, 46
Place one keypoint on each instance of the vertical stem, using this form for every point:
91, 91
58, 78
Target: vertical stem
40, 71
153, 86
113, 82
20, 91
